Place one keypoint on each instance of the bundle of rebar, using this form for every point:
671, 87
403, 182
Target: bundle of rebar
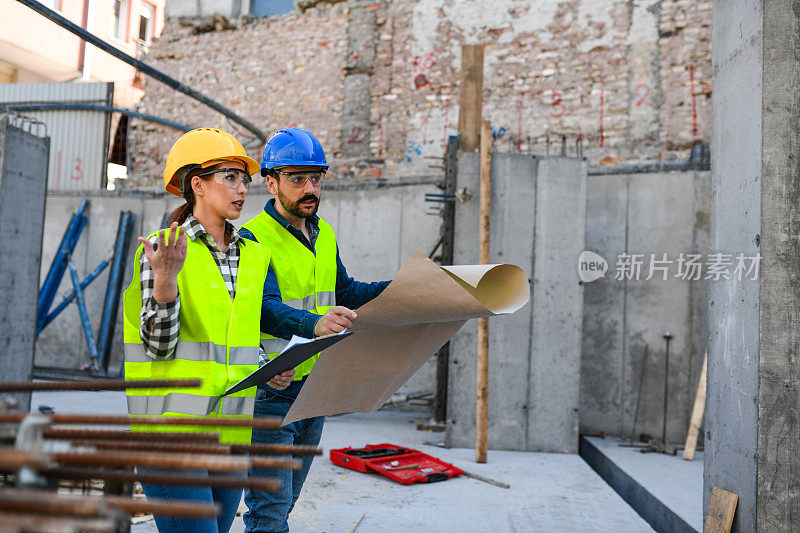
51, 450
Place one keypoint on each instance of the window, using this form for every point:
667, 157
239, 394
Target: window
146, 16
120, 20
52, 4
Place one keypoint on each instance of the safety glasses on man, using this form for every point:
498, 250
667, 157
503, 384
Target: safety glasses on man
230, 177
298, 179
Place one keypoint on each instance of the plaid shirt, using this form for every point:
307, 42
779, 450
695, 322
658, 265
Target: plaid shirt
160, 321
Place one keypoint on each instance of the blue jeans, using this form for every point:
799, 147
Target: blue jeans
228, 500
267, 511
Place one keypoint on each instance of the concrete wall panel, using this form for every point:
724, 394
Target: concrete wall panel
602, 377
661, 219
556, 321
534, 354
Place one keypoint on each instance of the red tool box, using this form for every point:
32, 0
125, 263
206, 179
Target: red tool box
403, 465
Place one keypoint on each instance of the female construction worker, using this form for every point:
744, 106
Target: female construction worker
193, 308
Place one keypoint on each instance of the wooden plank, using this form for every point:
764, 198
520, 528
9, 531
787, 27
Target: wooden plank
721, 509
482, 408
697, 414
471, 97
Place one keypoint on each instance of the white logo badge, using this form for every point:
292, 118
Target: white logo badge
591, 266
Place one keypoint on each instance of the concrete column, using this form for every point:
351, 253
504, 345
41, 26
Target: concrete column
644, 85
752, 425
23, 189
361, 27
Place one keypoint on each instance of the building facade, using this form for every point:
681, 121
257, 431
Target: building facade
34, 49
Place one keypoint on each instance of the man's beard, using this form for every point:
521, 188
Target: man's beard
295, 209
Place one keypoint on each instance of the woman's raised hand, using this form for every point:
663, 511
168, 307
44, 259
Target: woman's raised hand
166, 259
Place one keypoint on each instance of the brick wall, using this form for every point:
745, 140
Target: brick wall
276, 72
631, 78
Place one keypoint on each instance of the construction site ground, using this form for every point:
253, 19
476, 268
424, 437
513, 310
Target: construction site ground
549, 492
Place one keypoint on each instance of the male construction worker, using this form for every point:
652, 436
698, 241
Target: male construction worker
307, 293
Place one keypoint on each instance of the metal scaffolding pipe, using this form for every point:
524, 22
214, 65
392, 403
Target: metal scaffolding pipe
58, 106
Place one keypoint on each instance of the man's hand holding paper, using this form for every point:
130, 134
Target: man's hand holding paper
401, 329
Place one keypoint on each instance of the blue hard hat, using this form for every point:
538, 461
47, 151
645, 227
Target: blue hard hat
292, 146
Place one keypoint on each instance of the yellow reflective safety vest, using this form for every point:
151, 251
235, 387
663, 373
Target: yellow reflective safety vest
307, 280
218, 343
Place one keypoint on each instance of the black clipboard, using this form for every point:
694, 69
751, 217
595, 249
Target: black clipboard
290, 357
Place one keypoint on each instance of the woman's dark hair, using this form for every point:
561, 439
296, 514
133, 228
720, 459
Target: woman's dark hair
182, 212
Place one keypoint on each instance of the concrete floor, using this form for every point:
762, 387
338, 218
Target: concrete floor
549, 492
677, 483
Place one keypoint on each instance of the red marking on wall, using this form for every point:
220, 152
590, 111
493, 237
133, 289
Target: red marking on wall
644, 91
557, 103
355, 136
77, 171
424, 127
694, 101
602, 103
519, 122
422, 64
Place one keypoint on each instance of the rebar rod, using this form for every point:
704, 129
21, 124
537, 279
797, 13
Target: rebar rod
264, 423
276, 449
178, 480
188, 447
110, 434
174, 447
97, 384
47, 503
12, 459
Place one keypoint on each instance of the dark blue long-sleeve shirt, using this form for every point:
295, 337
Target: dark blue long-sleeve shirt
282, 321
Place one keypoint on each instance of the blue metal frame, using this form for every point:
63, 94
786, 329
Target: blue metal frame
50, 285
87, 326
71, 296
100, 352
105, 333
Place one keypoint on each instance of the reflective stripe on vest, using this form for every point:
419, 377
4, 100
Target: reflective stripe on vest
309, 303
197, 351
237, 406
189, 404
306, 279
186, 404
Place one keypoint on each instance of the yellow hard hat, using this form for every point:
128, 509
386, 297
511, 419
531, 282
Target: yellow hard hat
203, 147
